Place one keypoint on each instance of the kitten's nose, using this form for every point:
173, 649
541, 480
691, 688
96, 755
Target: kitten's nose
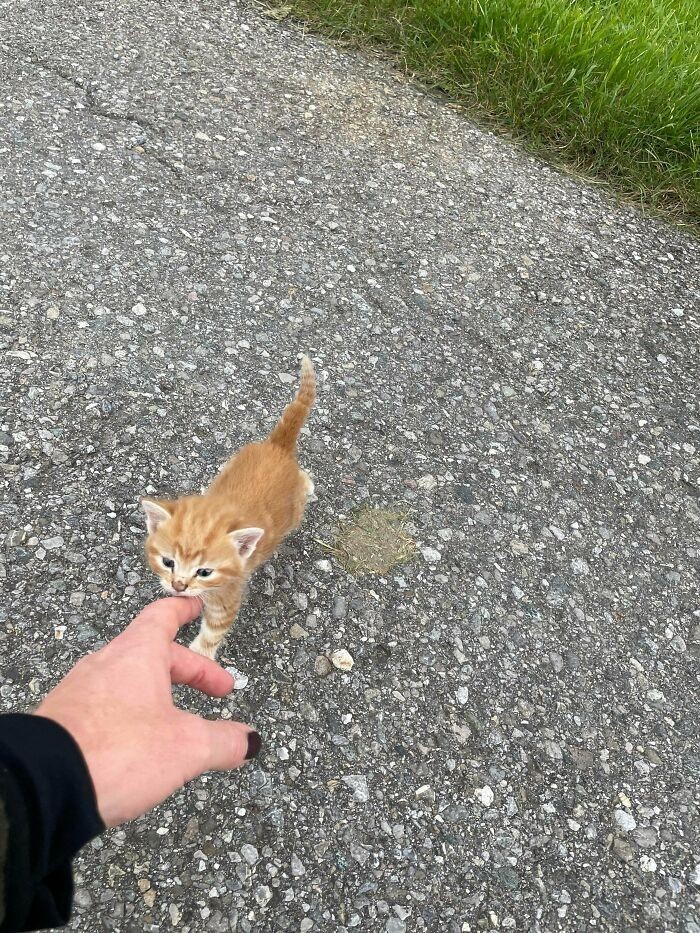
179, 587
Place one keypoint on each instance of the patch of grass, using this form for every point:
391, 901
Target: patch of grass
611, 87
374, 541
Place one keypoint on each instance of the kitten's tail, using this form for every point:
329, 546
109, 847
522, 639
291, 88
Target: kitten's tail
287, 429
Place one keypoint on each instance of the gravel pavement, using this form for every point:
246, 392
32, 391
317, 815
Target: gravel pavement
191, 195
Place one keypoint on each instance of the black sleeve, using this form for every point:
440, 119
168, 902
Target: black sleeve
47, 813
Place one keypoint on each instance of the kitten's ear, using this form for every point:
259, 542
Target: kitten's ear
245, 540
156, 513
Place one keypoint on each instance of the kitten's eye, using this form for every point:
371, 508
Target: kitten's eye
204, 572
168, 562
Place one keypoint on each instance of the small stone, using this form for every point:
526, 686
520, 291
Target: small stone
643, 459
394, 925
263, 895
431, 555
484, 795
694, 876
340, 607
358, 785
678, 644
462, 695
240, 680
149, 898
58, 632
325, 566
99, 147
359, 853
297, 866
283, 754
139, 309
426, 793
622, 849
249, 853
557, 661
53, 314
287, 378
519, 547
306, 925
322, 666
175, 914
647, 864
143, 884
51, 544
82, 898
646, 837
342, 659
580, 566
296, 631
625, 821
300, 600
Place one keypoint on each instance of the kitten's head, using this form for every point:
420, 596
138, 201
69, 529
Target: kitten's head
193, 548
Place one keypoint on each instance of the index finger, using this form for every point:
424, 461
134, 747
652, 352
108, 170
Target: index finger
165, 617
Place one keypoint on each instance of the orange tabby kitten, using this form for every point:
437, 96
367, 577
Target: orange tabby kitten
209, 545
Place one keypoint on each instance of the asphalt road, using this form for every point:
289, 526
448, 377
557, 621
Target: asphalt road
191, 195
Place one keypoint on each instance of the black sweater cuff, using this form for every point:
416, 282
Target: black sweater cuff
50, 813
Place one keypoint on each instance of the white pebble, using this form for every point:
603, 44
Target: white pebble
249, 853
240, 679
625, 821
342, 659
484, 795
431, 555
462, 695
358, 785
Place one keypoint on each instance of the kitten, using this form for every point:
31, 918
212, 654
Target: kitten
209, 545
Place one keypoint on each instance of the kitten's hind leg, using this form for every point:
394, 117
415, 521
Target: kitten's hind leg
309, 487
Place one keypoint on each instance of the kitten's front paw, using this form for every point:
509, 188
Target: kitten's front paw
199, 646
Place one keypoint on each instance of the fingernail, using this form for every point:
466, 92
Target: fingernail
254, 745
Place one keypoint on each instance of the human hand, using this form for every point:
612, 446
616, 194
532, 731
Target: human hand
118, 706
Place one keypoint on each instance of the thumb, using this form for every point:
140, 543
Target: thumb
225, 745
